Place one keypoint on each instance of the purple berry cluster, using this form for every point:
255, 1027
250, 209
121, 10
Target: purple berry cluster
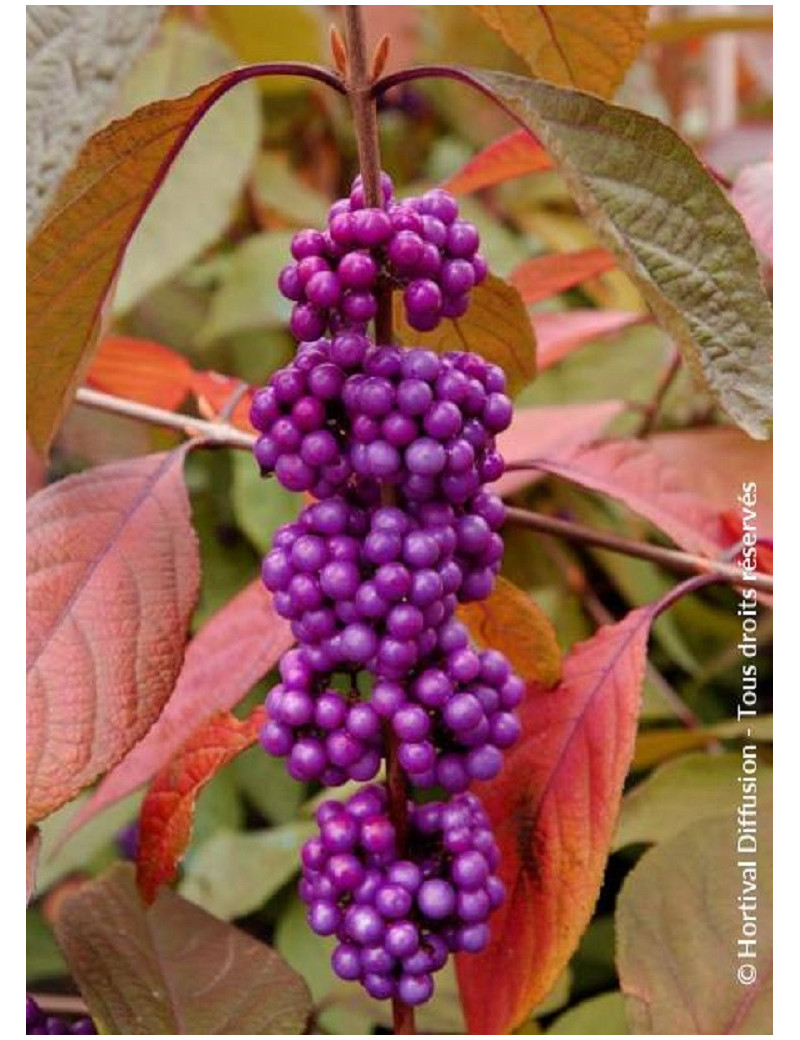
398, 917
396, 446
40, 1024
419, 245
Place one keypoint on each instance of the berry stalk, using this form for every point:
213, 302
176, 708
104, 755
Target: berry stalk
365, 122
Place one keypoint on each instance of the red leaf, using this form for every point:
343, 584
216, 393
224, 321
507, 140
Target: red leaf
634, 472
553, 809
165, 821
226, 658
558, 333
752, 196
214, 391
512, 156
141, 370
113, 575
554, 431
545, 276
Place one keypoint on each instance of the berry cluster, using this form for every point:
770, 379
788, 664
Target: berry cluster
396, 446
40, 1024
419, 245
396, 918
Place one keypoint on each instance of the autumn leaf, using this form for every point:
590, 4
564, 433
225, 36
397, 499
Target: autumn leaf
113, 575
549, 275
140, 370
635, 474
752, 196
215, 391
590, 46
172, 968
165, 820
678, 924
554, 431
553, 810
496, 326
514, 155
508, 620
227, 657
671, 227
559, 333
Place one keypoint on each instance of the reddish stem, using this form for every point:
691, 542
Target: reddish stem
359, 83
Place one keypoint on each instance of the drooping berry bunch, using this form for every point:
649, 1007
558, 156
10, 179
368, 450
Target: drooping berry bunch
419, 245
396, 445
40, 1024
397, 916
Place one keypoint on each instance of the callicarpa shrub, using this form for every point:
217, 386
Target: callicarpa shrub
396, 446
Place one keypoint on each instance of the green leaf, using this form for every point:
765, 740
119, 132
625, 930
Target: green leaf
680, 792
43, 959
496, 326
603, 1015
247, 298
234, 873
173, 968
678, 926
671, 227
260, 505
218, 806
264, 782
196, 202
277, 187
275, 32
77, 56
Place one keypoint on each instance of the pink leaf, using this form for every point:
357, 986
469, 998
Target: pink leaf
554, 432
634, 473
227, 657
113, 574
558, 333
752, 196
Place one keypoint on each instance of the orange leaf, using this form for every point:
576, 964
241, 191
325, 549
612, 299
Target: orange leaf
165, 821
558, 333
512, 156
633, 472
227, 657
140, 370
113, 575
508, 620
214, 391
554, 809
554, 431
545, 276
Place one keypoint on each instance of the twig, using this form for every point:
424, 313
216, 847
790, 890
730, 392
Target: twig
217, 433
60, 1004
652, 408
674, 559
360, 78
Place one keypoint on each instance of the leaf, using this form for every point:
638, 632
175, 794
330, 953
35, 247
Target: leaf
262, 862
140, 370
197, 199
693, 787
590, 46
677, 30
258, 34
555, 432
165, 821
678, 924
553, 809
559, 333
496, 326
43, 959
214, 391
33, 843
604, 1015
511, 156
278, 188
752, 196
716, 461
549, 275
260, 505
634, 473
230, 653
173, 969
113, 577
508, 620
77, 57
671, 228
